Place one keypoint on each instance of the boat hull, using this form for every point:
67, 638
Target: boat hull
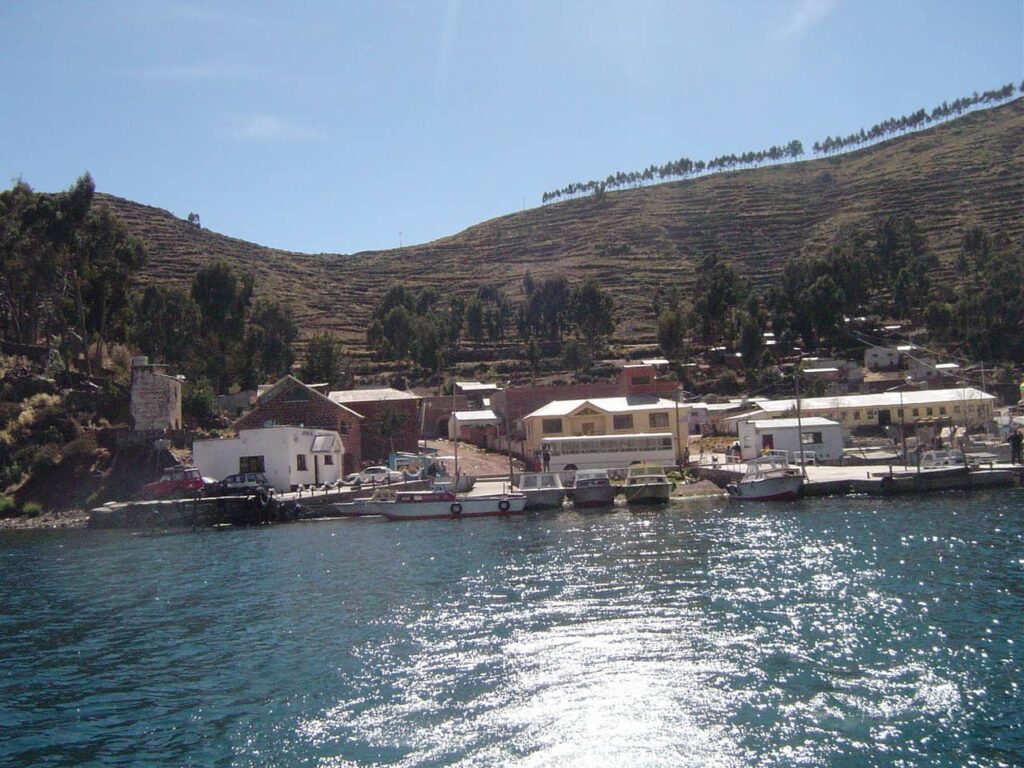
648, 493
544, 498
594, 496
476, 506
767, 489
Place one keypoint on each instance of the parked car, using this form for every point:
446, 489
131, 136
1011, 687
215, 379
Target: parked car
244, 482
376, 475
177, 481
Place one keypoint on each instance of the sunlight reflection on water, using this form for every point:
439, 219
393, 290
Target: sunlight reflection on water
833, 632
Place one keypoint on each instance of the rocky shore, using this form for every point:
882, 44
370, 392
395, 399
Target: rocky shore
76, 518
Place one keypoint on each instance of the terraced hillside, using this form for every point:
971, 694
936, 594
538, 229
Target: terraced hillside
970, 170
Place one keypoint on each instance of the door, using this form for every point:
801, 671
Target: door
767, 442
884, 418
316, 469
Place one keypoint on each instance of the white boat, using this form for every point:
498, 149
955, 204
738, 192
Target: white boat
440, 504
365, 507
943, 458
543, 490
593, 488
646, 484
768, 478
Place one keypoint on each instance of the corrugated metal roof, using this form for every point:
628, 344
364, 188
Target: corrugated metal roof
810, 421
882, 399
469, 418
473, 386
370, 395
630, 404
323, 444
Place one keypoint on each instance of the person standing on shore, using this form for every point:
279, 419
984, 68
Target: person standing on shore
1016, 441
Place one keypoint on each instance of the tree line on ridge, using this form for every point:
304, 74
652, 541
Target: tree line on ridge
685, 168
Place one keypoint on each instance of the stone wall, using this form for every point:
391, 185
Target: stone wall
155, 400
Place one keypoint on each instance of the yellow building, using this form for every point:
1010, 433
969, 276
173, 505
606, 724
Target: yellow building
630, 415
963, 407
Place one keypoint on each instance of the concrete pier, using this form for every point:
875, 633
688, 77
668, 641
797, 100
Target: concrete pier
883, 479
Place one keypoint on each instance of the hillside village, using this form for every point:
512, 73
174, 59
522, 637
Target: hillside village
130, 337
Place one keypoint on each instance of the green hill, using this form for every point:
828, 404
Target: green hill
966, 171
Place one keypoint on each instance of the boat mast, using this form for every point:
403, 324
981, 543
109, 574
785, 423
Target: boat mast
799, 424
455, 440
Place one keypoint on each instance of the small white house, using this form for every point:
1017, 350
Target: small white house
822, 436
881, 358
288, 456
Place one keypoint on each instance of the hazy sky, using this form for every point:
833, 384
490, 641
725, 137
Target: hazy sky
347, 126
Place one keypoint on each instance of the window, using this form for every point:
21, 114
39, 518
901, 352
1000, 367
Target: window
343, 429
251, 464
811, 438
328, 460
856, 415
930, 410
659, 420
942, 410
956, 409
623, 422
300, 463
551, 426
640, 381
916, 412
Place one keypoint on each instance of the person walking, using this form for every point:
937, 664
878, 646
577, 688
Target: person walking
546, 458
1016, 441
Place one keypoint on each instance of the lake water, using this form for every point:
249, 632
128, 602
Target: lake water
828, 632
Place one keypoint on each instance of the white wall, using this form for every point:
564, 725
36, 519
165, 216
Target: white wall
786, 439
279, 447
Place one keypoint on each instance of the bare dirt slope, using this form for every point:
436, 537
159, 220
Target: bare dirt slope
966, 171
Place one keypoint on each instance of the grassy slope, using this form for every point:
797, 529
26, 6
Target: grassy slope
970, 170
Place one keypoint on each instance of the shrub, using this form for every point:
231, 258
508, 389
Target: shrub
10, 475
81, 447
6, 506
45, 457
31, 509
199, 400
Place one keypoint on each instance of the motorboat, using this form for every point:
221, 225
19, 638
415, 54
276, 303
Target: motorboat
593, 488
646, 484
768, 478
365, 507
942, 458
440, 503
543, 490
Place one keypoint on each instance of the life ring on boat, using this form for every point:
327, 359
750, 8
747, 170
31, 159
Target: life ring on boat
503, 505
262, 496
456, 508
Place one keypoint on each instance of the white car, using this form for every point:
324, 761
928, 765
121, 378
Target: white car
379, 475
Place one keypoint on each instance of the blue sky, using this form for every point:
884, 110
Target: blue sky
349, 126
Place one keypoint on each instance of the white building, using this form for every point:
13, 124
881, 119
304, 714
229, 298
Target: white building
881, 358
823, 437
288, 456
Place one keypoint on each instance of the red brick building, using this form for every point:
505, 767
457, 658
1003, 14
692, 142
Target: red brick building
391, 420
291, 403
